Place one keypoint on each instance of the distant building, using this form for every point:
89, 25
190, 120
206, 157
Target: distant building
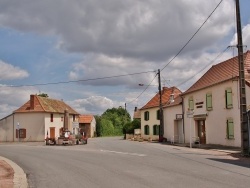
150, 113
38, 118
137, 114
87, 124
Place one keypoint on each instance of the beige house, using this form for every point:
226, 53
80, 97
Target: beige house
150, 113
211, 105
87, 124
38, 118
173, 121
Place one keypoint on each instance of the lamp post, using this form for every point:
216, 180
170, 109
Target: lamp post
161, 128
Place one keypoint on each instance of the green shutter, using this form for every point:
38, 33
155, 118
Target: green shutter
146, 130
191, 103
230, 129
209, 101
229, 101
157, 129
158, 114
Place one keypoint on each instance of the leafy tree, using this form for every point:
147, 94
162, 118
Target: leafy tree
118, 117
98, 125
43, 95
129, 127
106, 127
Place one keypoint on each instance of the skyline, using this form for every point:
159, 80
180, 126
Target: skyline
52, 42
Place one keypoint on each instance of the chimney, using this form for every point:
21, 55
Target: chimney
171, 98
135, 109
32, 102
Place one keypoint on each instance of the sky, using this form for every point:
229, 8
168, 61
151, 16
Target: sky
94, 54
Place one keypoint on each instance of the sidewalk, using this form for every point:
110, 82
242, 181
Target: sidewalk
11, 175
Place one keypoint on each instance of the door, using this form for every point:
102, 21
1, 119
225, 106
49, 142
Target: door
202, 131
52, 132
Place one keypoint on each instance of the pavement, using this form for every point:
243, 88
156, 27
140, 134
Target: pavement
12, 175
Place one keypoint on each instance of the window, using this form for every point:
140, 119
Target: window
146, 115
230, 129
146, 130
158, 115
74, 117
229, 101
21, 134
51, 117
156, 129
191, 103
209, 101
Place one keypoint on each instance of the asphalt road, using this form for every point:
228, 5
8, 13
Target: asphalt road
114, 162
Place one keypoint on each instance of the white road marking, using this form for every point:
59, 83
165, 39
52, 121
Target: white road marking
124, 153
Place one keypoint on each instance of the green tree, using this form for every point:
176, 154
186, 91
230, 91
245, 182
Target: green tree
118, 117
129, 127
98, 125
43, 95
106, 128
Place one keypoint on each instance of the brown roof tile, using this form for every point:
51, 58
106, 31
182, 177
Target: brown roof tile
85, 118
166, 93
222, 72
43, 104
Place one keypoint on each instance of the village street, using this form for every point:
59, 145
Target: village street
114, 162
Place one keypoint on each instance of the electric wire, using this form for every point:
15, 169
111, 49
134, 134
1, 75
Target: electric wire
143, 90
192, 36
210, 63
73, 81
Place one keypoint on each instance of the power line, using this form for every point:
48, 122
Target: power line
192, 36
142, 91
211, 62
73, 81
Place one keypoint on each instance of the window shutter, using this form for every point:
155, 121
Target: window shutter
191, 103
17, 135
229, 101
146, 115
230, 129
158, 114
209, 101
157, 129
146, 130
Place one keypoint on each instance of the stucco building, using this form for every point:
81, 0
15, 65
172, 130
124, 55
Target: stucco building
38, 118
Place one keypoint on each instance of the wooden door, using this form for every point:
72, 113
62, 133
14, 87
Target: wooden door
202, 131
52, 132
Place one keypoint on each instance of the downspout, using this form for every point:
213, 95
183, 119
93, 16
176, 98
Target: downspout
183, 112
13, 127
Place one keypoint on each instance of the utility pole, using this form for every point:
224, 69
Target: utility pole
243, 107
161, 128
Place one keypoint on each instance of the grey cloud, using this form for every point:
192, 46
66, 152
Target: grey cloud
148, 30
10, 72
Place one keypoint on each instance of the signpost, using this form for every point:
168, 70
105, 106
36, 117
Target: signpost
18, 136
190, 115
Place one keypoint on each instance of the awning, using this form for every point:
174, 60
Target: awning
200, 116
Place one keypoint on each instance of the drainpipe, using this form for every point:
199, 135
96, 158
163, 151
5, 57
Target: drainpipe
183, 122
13, 127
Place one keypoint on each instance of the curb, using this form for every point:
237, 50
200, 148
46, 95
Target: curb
19, 180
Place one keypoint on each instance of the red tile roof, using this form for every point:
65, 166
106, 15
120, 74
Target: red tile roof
177, 101
166, 93
222, 72
43, 104
85, 118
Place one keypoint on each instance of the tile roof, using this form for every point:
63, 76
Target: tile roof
166, 93
43, 104
85, 118
222, 72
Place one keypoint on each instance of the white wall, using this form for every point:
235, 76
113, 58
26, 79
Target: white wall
216, 120
170, 121
7, 129
151, 122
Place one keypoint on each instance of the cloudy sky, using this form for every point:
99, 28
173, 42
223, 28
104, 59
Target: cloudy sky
93, 54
